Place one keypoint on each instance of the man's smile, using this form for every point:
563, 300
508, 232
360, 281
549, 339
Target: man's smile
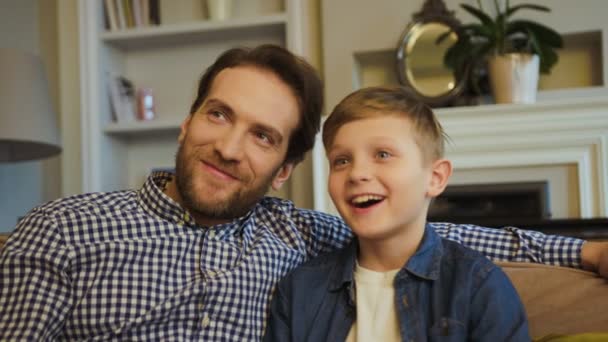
219, 172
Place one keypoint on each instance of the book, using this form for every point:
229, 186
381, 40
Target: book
154, 12
137, 13
145, 12
129, 13
120, 11
110, 14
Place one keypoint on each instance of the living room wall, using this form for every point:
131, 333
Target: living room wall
27, 184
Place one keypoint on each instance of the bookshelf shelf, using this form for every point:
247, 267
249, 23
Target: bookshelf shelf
181, 33
138, 127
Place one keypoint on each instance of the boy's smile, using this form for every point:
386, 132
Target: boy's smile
378, 180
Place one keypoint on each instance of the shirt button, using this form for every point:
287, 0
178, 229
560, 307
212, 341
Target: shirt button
206, 321
404, 301
211, 273
212, 234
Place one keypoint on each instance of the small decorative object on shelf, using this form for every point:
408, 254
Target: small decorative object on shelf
514, 49
419, 58
122, 98
145, 104
219, 9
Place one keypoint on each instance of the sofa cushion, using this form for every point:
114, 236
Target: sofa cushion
560, 300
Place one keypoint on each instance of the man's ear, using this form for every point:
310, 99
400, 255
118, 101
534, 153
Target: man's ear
184, 129
441, 170
282, 176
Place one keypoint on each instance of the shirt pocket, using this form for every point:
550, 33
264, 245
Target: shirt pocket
448, 329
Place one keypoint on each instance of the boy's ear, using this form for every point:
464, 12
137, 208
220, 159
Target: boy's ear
441, 170
282, 176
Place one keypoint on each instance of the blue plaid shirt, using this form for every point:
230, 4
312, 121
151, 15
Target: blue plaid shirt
133, 265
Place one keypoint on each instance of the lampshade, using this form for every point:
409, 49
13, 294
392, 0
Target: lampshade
28, 125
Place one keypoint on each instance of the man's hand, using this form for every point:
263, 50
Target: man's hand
594, 257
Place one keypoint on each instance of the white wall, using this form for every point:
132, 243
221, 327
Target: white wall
358, 50
24, 185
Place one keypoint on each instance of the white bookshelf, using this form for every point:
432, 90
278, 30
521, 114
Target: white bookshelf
169, 59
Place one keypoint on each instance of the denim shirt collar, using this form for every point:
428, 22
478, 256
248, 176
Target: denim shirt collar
425, 263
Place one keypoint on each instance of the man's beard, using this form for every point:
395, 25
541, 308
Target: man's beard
236, 205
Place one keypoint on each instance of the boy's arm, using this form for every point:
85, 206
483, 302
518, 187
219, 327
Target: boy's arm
497, 313
513, 244
35, 291
277, 328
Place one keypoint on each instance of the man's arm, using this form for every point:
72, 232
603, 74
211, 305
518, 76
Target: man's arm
513, 244
594, 257
35, 291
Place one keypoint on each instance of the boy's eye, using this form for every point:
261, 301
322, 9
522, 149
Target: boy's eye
383, 155
339, 162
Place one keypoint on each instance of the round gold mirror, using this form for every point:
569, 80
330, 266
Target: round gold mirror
420, 54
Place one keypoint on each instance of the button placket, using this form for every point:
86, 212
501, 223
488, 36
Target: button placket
206, 321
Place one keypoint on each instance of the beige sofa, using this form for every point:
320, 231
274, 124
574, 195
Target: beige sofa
558, 300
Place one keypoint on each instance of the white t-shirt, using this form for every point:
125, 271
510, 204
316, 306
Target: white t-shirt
376, 312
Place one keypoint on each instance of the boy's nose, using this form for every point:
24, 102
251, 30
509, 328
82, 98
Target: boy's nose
360, 172
230, 145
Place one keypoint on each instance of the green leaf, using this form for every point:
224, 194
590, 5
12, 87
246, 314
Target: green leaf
484, 18
550, 58
547, 55
544, 34
516, 8
471, 31
443, 36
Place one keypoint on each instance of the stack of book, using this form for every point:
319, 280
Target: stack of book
125, 14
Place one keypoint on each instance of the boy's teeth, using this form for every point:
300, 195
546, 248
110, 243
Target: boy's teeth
365, 198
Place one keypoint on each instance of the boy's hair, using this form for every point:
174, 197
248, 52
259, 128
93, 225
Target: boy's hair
388, 101
299, 76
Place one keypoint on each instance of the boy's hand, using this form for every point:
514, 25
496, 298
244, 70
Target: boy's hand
594, 257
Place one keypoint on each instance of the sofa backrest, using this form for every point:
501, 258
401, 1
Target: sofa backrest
560, 300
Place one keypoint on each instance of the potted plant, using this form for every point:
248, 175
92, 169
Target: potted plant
513, 49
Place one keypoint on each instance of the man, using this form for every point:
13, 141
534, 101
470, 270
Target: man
196, 255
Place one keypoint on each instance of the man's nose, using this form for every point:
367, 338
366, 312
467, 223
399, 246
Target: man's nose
230, 145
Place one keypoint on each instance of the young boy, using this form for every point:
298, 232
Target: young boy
398, 281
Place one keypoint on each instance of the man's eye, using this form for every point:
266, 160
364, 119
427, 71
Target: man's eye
216, 114
264, 137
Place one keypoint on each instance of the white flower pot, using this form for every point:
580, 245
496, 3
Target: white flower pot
514, 77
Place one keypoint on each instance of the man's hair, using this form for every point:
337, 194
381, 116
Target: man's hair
297, 74
388, 101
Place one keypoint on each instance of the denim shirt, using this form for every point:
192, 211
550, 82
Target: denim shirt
445, 292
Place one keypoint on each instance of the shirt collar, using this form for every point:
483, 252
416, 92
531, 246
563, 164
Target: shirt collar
424, 263
154, 200
344, 267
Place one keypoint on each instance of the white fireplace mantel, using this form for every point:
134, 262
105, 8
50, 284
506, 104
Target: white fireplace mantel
556, 132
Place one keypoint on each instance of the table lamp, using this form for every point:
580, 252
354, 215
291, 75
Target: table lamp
28, 124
